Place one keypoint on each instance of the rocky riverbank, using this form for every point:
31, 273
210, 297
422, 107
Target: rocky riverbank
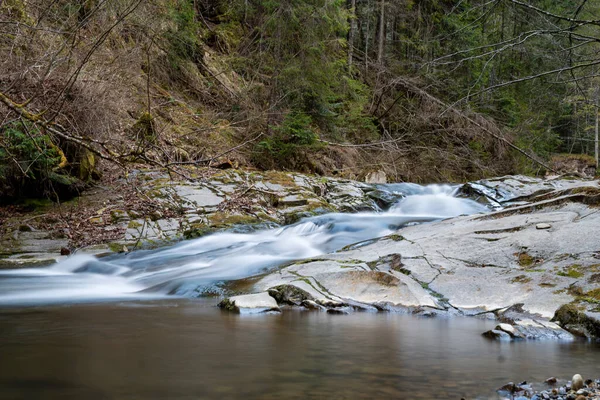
575, 389
149, 209
533, 264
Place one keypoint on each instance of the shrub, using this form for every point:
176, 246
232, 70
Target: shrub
30, 163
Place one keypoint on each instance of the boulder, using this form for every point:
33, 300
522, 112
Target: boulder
250, 303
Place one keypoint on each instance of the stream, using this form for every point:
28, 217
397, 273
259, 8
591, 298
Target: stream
135, 326
189, 268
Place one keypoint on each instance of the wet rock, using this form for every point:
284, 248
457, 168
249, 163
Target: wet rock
313, 305
551, 381
250, 303
577, 382
577, 322
290, 294
497, 334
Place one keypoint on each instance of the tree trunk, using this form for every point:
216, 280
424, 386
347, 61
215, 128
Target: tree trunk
351, 33
596, 129
381, 32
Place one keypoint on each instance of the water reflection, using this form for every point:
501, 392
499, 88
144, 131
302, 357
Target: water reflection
189, 350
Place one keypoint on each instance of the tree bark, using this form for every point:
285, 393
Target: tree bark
596, 127
351, 33
381, 38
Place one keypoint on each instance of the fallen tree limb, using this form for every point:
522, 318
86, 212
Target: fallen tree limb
53, 128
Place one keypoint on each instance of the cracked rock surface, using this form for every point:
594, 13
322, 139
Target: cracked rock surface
499, 265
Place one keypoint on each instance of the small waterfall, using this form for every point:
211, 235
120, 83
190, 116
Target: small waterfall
185, 267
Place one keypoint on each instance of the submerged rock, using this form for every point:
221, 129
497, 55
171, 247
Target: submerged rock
250, 303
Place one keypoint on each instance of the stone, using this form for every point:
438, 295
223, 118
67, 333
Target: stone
551, 381
292, 200
290, 294
250, 303
543, 226
312, 305
497, 335
26, 228
576, 382
97, 220
376, 177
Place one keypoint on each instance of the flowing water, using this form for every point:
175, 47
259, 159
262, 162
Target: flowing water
128, 327
187, 268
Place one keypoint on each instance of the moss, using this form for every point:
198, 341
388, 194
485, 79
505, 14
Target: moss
573, 271
221, 219
228, 305
395, 237
115, 247
525, 260
87, 166
520, 279
593, 296
571, 318
197, 230
134, 225
279, 177
289, 294
534, 270
546, 284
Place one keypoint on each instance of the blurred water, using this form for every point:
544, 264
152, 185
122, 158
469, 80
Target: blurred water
185, 267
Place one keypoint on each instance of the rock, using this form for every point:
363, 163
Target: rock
543, 226
96, 221
119, 216
577, 322
577, 382
26, 228
376, 177
497, 335
64, 251
551, 381
291, 201
341, 311
250, 303
312, 305
290, 294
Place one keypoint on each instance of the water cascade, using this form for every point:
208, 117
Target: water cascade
185, 268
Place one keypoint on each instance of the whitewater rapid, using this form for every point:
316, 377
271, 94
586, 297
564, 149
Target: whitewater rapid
186, 268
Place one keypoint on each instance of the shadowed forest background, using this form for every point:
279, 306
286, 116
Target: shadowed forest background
425, 91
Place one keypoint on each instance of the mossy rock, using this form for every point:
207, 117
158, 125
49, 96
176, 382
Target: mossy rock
573, 271
228, 305
220, 219
197, 230
525, 260
572, 319
289, 294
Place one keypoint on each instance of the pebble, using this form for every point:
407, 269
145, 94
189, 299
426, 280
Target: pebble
576, 389
577, 382
543, 226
